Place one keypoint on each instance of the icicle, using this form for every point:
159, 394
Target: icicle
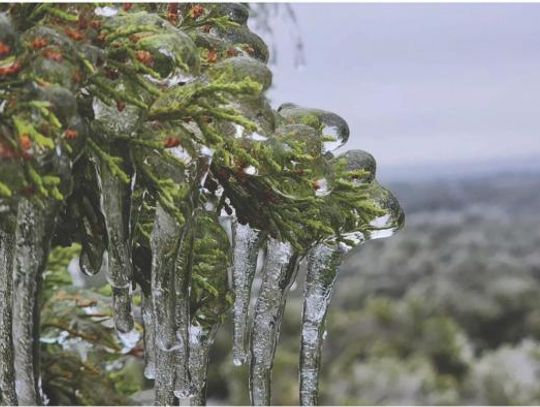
34, 230
278, 274
210, 265
8, 395
200, 340
182, 275
164, 244
247, 242
149, 337
113, 196
323, 263
165, 373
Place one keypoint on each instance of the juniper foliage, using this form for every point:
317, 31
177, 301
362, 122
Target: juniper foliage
128, 133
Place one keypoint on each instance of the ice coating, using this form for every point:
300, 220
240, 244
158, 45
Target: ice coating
394, 218
33, 234
149, 337
86, 265
164, 243
182, 276
200, 341
119, 270
106, 11
247, 242
323, 263
310, 142
173, 51
129, 340
210, 270
278, 272
360, 160
236, 12
241, 67
85, 210
334, 126
111, 120
8, 395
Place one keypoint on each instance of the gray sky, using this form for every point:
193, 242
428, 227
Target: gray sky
420, 83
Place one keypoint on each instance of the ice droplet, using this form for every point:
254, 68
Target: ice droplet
360, 160
392, 221
333, 126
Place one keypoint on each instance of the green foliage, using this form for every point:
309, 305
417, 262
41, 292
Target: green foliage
155, 105
82, 360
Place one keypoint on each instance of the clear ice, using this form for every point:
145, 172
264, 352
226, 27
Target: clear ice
334, 126
200, 341
33, 234
164, 243
119, 269
8, 395
182, 275
247, 242
323, 263
278, 271
149, 337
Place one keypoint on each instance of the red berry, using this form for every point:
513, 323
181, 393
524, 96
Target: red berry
4, 49
71, 134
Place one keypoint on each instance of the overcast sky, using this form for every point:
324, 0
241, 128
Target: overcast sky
420, 83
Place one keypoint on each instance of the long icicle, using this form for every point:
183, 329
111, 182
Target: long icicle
200, 341
164, 243
278, 274
8, 395
149, 337
247, 242
182, 275
33, 234
323, 263
113, 196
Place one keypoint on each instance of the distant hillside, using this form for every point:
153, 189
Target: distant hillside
510, 191
460, 170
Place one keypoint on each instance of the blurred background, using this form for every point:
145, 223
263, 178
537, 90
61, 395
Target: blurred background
446, 97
